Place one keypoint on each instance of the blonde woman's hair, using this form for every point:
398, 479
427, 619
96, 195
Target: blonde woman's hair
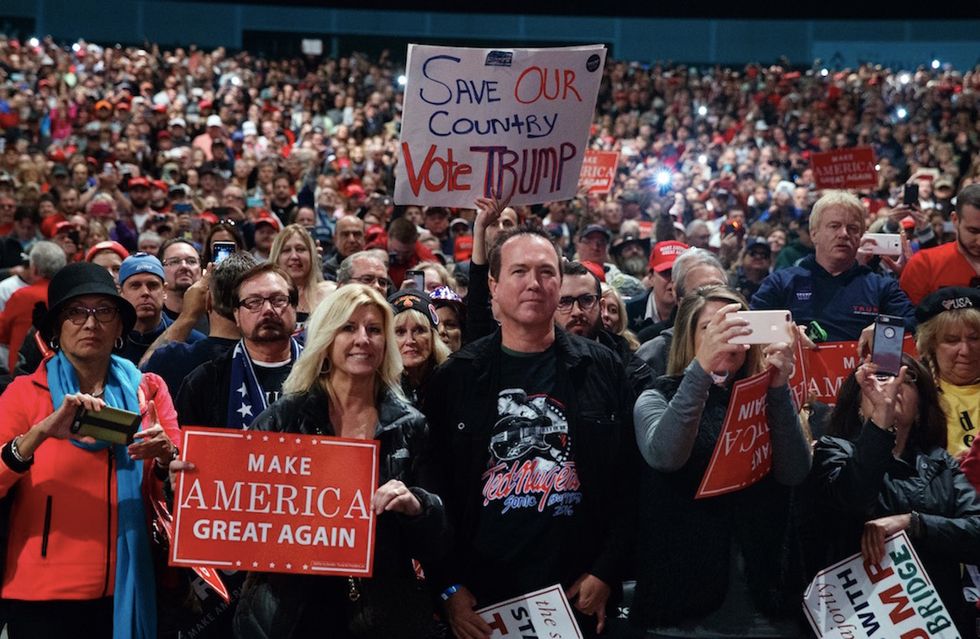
620, 327
928, 334
682, 350
440, 352
840, 199
315, 276
327, 320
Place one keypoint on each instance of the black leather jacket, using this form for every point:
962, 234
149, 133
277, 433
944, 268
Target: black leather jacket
858, 481
461, 405
281, 606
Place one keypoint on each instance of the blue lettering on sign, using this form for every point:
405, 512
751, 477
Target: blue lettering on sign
467, 91
441, 124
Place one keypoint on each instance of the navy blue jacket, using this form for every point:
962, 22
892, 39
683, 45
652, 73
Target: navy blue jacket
843, 305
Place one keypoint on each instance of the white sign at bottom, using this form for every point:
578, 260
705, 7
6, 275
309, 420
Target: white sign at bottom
543, 613
895, 599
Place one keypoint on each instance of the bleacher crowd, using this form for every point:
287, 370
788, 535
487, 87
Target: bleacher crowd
209, 238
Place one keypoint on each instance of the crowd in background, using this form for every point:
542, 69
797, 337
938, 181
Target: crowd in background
156, 164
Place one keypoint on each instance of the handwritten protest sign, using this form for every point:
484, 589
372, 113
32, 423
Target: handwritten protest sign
845, 169
483, 121
896, 599
544, 613
598, 171
276, 502
743, 454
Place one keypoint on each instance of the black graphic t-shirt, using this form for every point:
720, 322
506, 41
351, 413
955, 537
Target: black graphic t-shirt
271, 377
531, 493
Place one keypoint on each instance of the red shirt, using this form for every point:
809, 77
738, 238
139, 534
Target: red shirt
15, 321
931, 269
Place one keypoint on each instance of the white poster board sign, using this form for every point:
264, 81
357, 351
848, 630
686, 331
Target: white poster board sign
896, 599
544, 613
509, 121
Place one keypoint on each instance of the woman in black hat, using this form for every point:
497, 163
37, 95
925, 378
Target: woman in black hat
419, 343
78, 549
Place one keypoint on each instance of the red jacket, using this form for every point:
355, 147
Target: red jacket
17, 317
62, 542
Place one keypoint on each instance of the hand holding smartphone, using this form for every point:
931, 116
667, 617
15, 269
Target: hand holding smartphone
768, 327
886, 352
112, 425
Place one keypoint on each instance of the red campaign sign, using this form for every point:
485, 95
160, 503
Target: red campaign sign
598, 171
276, 502
828, 365
743, 454
845, 169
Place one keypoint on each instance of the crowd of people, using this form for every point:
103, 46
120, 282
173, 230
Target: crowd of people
207, 238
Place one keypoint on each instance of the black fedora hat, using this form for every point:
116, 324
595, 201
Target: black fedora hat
74, 280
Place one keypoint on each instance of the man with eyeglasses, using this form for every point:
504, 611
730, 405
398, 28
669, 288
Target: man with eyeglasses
181, 268
364, 268
578, 313
231, 390
141, 283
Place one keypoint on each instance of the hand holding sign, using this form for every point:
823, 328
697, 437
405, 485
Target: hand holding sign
590, 594
395, 496
463, 619
877, 531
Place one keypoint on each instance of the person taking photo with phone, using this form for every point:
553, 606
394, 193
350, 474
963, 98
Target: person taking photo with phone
715, 566
79, 549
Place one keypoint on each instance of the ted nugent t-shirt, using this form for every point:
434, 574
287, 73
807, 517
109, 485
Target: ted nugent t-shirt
531, 497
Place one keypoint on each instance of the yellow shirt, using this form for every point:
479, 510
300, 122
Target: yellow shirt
962, 404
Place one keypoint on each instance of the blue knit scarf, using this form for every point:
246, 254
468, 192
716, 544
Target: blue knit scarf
134, 612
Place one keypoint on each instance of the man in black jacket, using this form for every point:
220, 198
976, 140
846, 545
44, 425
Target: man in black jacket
233, 389
578, 313
534, 429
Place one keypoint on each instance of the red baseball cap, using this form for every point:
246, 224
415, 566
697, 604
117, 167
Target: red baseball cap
265, 217
139, 181
596, 269
107, 245
664, 253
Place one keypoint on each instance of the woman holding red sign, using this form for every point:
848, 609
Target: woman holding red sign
715, 566
884, 468
347, 384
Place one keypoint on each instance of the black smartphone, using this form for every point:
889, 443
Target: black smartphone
910, 195
221, 250
418, 279
182, 207
887, 349
109, 424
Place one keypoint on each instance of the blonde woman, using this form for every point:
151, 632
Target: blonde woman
734, 538
295, 251
346, 384
419, 344
612, 310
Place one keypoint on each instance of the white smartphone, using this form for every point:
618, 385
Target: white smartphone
884, 243
768, 327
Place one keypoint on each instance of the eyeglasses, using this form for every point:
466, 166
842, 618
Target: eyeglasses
177, 261
78, 315
585, 302
256, 302
371, 280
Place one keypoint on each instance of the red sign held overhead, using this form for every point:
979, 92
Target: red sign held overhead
845, 169
276, 502
828, 365
743, 454
598, 171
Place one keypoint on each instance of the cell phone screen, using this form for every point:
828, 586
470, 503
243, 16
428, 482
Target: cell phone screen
887, 350
910, 195
222, 250
418, 279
